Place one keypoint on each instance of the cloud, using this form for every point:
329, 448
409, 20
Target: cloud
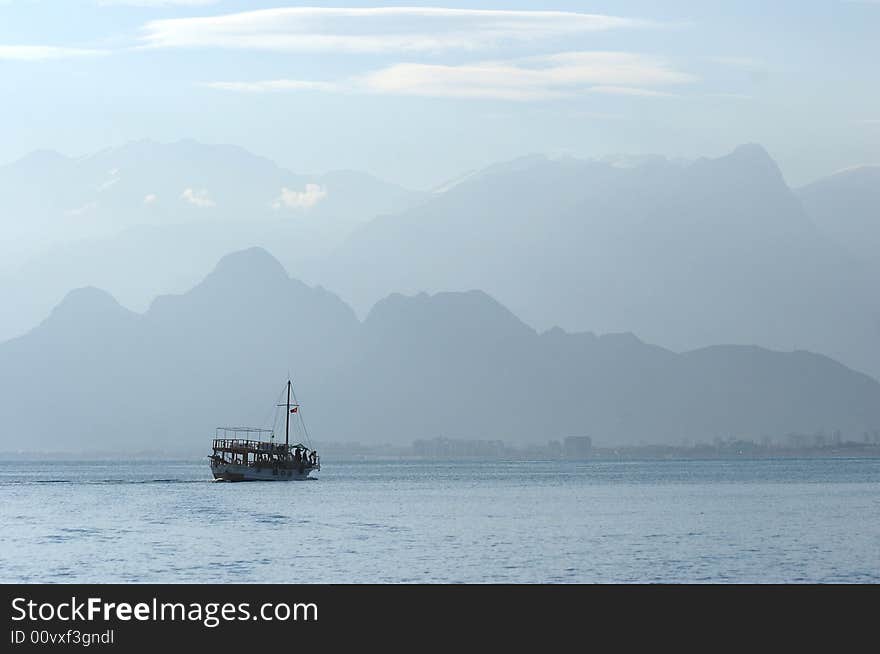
88, 207
198, 198
151, 198
731, 96
300, 199
273, 85
743, 63
375, 29
156, 3
44, 52
628, 90
530, 78
112, 179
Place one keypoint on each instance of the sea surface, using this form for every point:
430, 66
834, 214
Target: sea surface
635, 521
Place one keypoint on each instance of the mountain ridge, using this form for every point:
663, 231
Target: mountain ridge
686, 255
457, 364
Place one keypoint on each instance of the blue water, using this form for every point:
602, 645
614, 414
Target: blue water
648, 521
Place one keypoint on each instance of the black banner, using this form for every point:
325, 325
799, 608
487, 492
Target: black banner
252, 617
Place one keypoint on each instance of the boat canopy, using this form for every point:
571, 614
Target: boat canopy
224, 432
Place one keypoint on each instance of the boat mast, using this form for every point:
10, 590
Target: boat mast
287, 423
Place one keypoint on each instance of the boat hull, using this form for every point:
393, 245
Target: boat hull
237, 472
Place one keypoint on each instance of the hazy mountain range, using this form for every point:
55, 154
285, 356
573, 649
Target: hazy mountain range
457, 364
150, 218
52, 199
684, 254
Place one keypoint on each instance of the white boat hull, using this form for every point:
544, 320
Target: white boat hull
238, 472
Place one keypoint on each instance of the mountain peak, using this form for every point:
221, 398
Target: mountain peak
252, 263
751, 150
87, 303
748, 164
453, 310
853, 178
40, 159
754, 155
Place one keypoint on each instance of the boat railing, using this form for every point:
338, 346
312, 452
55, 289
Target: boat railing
245, 445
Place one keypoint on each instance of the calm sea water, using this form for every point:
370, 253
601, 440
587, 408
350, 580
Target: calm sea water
651, 521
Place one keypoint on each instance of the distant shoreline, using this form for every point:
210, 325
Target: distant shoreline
648, 453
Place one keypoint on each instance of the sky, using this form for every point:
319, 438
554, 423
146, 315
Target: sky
420, 93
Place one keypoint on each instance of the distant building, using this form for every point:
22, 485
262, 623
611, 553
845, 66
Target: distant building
578, 447
805, 441
448, 448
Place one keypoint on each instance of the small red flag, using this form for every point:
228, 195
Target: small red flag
293, 410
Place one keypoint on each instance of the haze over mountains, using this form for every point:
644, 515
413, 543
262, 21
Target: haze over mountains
715, 258
148, 218
685, 255
94, 375
846, 206
50, 198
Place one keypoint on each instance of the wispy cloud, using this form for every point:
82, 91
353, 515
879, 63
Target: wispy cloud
157, 3
273, 85
375, 29
743, 63
44, 52
300, 199
731, 96
88, 207
628, 90
530, 78
198, 198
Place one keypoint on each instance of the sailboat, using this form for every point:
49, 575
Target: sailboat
242, 454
